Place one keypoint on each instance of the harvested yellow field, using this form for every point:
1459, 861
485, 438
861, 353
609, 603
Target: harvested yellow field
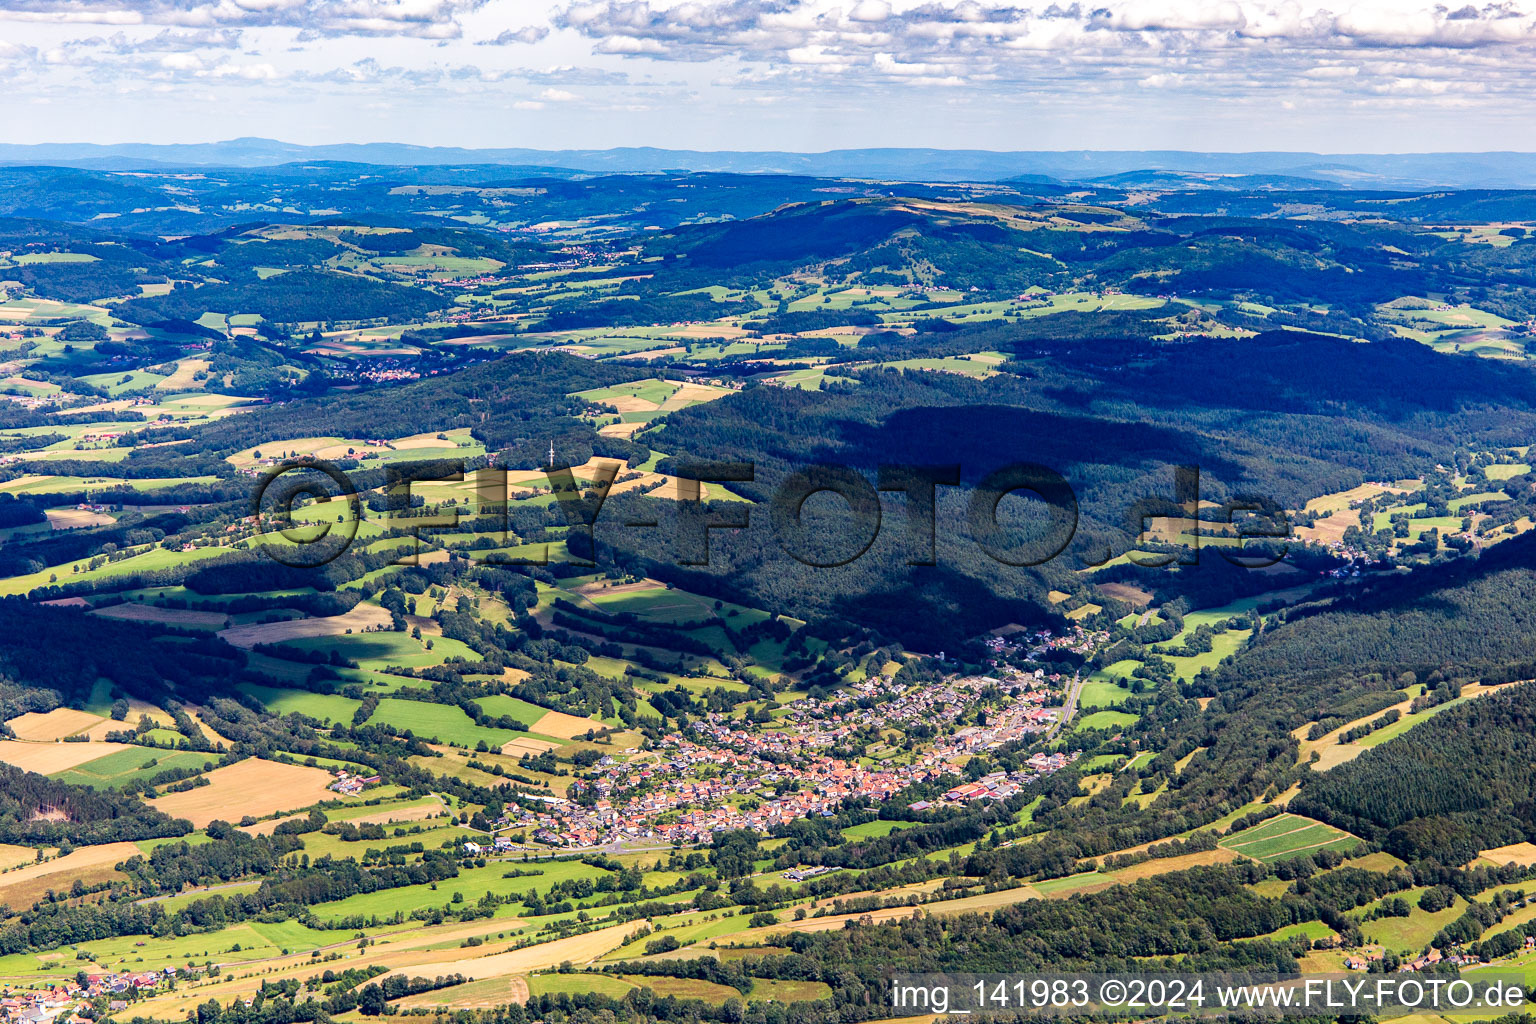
1134, 596
252, 787
418, 812
1522, 854
24, 886
76, 518
621, 429
1336, 514
605, 587
210, 731
527, 745
53, 725
932, 885
629, 403
578, 949
316, 447
692, 394
562, 726
20, 484
673, 489
357, 620
12, 856
47, 758
1150, 869
965, 905
473, 995
404, 949
135, 612
983, 902
84, 857
644, 480
181, 380
712, 329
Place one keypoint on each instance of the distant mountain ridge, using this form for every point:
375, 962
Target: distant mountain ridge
1373, 170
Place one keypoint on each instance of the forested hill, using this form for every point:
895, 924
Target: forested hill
298, 295
1469, 618
1287, 413
1290, 417
516, 406
1346, 661
1349, 659
1460, 783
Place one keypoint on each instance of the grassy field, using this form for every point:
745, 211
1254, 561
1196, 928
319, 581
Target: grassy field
617, 985
124, 766
1412, 933
147, 560
386, 649
503, 705
1104, 720
445, 723
1102, 694
1222, 644
321, 706
1287, 835
1505, 470
876, 829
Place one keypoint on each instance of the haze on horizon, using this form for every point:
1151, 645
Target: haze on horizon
800, 75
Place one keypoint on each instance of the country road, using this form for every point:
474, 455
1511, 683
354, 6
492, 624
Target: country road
1068, 709
191, 892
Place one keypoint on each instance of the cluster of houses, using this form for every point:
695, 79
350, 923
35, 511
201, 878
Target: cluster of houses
33, 401
1002, 785
43, 1005
1363, 961
726, 774
137, 981
394, 373
64, 1000
1033, 646
351, 784
498, 844
692, 810
801, 874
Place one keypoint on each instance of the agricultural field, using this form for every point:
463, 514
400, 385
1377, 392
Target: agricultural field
251, 788
1285, 835
123, 766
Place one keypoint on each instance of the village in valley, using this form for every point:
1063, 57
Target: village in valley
732, 772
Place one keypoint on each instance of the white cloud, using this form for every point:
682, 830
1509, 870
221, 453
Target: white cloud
856, 63
424, 19
528, 34
181, 62
870, 10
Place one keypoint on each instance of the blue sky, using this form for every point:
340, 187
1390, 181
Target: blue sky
774, 74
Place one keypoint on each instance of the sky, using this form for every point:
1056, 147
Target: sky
1215, 75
